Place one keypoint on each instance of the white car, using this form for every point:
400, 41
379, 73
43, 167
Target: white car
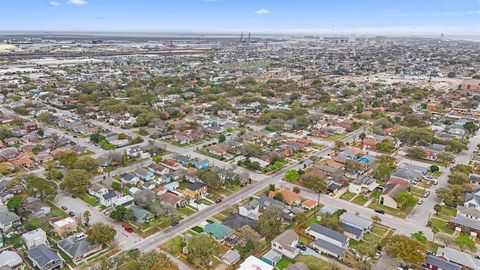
420, 202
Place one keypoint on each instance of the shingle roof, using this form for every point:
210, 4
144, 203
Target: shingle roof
42, 255
7, 217
442, 264
196, 186
236, 221
330, 247
74, 248
329, 233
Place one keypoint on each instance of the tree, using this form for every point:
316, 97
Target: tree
41, 188
434, 168
119, 213
437, 208
68, 159
464, 242
253, 150
453, 195
362, 136
86, 216
97, 138
445, 158
470, 127
385, 146
250, 235
101, 233
270, 222
210, 178
5, 133
316, 183
116, 186
419, 236
405, 199
339, 145
404, 249
416, 152
291, 175
46, 117
86, 163
55, 174
76, 181
382, 172
435, 230
456, 145
16, 204
221, 138
201, 249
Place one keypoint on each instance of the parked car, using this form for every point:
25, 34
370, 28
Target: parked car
420, 202
380, 211
64, 208
435, 182
426, 194
128, 228
218, 200
302, 247
175, 223
71, 213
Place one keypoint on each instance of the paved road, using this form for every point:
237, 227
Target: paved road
422, 213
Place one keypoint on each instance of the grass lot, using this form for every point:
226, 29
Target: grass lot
441, 225
89, 199
173, 246
372, 238
284, 262
312, 263
446, 212
186, 211
56, 211
417, 191
183, 185
376, 194
347, 196
390, 211
360, 200
379, 229
436, 174
197, 229
336, 137
311, 220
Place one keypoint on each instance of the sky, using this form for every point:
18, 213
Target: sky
257, 16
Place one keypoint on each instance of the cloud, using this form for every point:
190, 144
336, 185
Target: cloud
54, 3
77, 2
262, 11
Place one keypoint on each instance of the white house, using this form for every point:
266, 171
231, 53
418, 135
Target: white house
250, 210
472, 199
35, 238
97, 190
362, 184
109, 198
286, 244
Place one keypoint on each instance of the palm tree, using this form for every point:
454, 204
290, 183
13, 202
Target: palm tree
315, 183
86, 216
435, 230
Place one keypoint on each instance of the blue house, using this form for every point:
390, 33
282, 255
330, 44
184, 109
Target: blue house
272, 257
201, 164
347, 154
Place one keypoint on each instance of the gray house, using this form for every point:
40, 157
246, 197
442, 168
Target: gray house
8, 221
77, 246
44, 259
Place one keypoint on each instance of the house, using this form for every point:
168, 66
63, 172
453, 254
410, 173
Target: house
195, 189
356, 221
109, 198
10, 260
265, 202
78, 247
467, 221
141, 215
250, 209
411, 173
253, 263
64, 226
129, 178
23, 162
472, 199
231, 257
237, 221
456, 256
171, 164
272, 257
362, 185
309, 204
35, 238
44, 259
158, 169
97, 190
328, 241
38, 208
289, 197
217, 231
143, 174
172, 186
437, 263
366, 160
125, 201
8, 221
286, 244
172, 199
390, 191
370, 143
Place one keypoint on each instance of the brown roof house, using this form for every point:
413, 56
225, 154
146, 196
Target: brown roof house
390, 191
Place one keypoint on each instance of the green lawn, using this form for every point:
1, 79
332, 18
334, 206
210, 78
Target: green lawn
388, 210
56, 211
436, 174
89, 199
441, 225
360, 200
284, 262
446, 212
347, 196
186, 211
372, 238
183, 185
376, 194
173, 246
312, 220
379, 229
197, 229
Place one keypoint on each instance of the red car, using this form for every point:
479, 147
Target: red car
128, 228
